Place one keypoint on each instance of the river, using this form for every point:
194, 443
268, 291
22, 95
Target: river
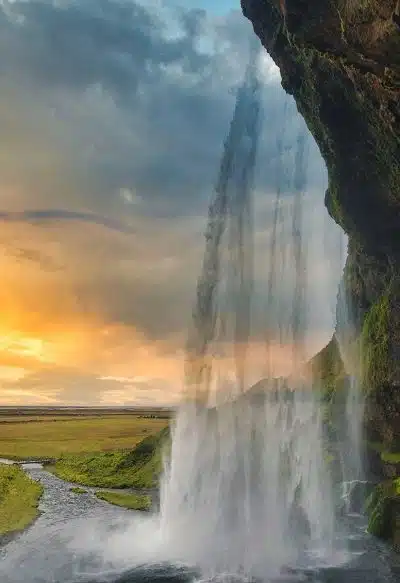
80, 539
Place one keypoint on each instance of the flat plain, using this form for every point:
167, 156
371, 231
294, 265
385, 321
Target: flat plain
52, 433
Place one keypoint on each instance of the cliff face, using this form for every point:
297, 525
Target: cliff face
340, 59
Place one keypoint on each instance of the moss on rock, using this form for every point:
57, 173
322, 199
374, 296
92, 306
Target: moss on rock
328, 369
375, 345
383, 507
330, 379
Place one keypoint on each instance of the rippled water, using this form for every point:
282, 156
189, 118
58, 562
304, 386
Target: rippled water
81, 539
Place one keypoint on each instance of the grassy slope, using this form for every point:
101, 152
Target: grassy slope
131, 501
138, 468
19, 498
328, 370
54, 437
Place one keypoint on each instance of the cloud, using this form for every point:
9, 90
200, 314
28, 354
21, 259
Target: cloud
119, 45
75, 387
106, 97
58, 385
98, 75
113, 116
29, 255
41, 216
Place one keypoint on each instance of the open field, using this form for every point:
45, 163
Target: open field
45, 434
23, 413
19, 498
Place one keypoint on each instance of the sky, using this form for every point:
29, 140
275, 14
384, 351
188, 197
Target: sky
113, 117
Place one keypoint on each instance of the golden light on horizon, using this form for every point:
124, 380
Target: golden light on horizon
79, 355
20, 345
11, 373
51, 346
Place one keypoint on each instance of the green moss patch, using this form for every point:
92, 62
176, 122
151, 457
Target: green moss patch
329, 377
375, 345
77, 490
19, 499
328, 370
383, 507
131, 501
391, 458
138, 468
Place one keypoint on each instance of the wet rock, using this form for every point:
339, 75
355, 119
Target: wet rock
359, 493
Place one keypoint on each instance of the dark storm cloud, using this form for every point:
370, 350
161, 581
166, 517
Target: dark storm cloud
116, 44
170, 97
153, 107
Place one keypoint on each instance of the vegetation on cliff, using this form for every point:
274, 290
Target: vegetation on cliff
19, 499
329, 377
383, 507
342, 65
328, 370
137, 468
375, 345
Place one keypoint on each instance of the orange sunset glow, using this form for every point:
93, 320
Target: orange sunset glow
94, 316
56, 325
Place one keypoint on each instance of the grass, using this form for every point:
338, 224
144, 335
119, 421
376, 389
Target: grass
328, 370
19, 499
391, 458
137, 468
383, 508
53, 437
131, 501
77, 490
111, 451
375, 345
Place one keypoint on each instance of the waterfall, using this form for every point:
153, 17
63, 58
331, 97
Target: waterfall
247, 489
352, 412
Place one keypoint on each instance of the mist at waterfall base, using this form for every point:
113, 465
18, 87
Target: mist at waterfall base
246, 492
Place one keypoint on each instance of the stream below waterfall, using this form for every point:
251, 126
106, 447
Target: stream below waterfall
78, 538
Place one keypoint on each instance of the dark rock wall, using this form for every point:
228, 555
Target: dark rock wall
345, 78
340, 59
